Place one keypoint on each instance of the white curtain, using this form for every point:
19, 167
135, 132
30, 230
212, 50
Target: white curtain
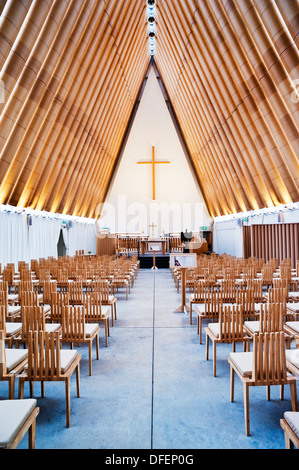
13, 238
22, 242
43, 237
81, 237
228, 238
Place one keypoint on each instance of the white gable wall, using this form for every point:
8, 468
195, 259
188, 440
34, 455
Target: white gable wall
179, 204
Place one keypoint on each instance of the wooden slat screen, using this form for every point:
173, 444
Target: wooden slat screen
272, 241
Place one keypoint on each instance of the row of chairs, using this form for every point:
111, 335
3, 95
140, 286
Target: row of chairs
250, 302
42, 315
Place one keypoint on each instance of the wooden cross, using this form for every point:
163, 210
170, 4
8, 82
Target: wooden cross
153, 163
152, 227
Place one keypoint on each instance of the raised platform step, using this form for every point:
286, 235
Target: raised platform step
146, 261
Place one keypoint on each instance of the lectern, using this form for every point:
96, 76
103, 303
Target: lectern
183, 262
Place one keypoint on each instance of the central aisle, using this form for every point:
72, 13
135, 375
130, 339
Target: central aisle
153, 388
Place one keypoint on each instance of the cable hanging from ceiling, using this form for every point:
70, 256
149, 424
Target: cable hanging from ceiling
151, 17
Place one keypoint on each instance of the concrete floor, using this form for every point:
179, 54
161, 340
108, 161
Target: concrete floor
153, 387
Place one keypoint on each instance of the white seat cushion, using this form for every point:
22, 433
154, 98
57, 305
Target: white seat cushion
292, 418
47, 308
14, 309
257, 306
14, 357
292, 355
49, 327
293, 295
67, 356
293, 307
253, 326
12, 329
294, 325
215, 328
105, 312
13, 414
200, 309
243, 362
90, 329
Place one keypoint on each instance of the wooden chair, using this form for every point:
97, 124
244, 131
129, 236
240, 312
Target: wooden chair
209, 310
17, 417
264, 366
10, 329
76, 294
12, 362
290, 425
106, 298
76, 330
120, 280
47, 288
95, 312
47, 361
245, 298
34, 319
229, 329
198, 296
292, 329
58, 300
12, 312
271, 320
228, 290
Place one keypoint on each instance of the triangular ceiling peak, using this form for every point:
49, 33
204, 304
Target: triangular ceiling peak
153, 182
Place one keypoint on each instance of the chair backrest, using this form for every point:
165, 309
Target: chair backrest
33, 319
245, 298
93, 305
271, 317
73, 323
4, 300
3, 319
75, 290
2, 355
43, 355
199, 291
28, 298
269, 360
58, 300
277, 295
228, 290
213, 303
102, 287
256, 286
231, 321
48, 288
3, 286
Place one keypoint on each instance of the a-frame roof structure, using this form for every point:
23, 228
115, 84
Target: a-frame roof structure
72, 72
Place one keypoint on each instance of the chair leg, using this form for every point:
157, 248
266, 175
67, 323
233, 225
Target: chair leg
207, 347
68, 402
31, 435
190, 313
11, 387
293, 387
98, 346
42, 387
232, 384
89, 355
106, 333
78, 380
200, 330
246, 408
21, 388
268, 393
214, 358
